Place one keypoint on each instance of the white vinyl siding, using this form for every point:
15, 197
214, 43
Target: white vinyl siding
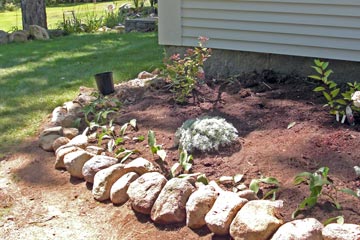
311, 28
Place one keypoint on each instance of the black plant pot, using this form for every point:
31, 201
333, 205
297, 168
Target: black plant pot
105, 83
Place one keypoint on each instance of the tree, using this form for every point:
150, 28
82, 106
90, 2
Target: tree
33, 13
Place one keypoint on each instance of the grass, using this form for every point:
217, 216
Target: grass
37, 76
54, 15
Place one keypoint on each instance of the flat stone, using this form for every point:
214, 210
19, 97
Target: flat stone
61, 141
144, 191
198, 205
169, 207
52, 131
118, 192
74, 162
60, 153
69, 121
46, 142
303, 229
257, 220
223, 212
80, 141
335, 231
96, 164
70, 133
94, 150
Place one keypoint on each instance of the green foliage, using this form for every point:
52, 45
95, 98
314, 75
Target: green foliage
338, 219
185, 73
154, 148
185, 162
255, 186
336, 100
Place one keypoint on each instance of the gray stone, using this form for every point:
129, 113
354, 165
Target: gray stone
198, 205
223, 212
38, 33
73, 108
104, 179
140, 24
74, 162
61, 141
70, 133
19, 36
69, 121
61, 152
144, 191
46, 142
94, 150
58, 114
257, 220
248, 194
96, 164
52, 131
303, 229
335, 231
4, 37
118, 192
169, 207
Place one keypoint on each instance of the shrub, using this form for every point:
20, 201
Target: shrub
205, 134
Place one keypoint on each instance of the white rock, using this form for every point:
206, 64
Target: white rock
303, 229
94, 150
80, 141
58, 115
61, 152
169, 207
75, 161
73, 108
118, 192
248, 194
336, 231
144, 191
96, 164
198, 205
61, 141
257, 220
52, 131
223, 212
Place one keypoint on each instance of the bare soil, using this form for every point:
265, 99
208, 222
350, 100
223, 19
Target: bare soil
39, 202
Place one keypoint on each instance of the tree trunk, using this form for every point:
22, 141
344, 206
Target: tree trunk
33, 13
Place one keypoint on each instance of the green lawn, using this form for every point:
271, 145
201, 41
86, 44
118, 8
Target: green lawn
37, 76
8, 20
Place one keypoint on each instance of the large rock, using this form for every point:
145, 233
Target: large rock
198, 205
19, 36
46, 142
96, 164
303, 229
257, 220
4, 37
38, 33
70, 133
73, 108
52, 131
80, 141
223, 212
104, 179
60, 153
61, 141
75, 161
169, 207
69, 121
58, 115
144, 191
336, 231
118, 192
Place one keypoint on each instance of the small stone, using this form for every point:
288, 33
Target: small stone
94, 150
198, 205
58, 115
38, 33
60, 153
223, 212
145, 75
257, 220
169, 207
335, 231
96, 164
70, 133
75, 161
61, 141
144, 191
118, 192
46, 142
303, 229
248, 194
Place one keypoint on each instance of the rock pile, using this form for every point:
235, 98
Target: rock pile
35, 32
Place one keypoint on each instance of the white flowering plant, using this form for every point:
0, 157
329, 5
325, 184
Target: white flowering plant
205, 134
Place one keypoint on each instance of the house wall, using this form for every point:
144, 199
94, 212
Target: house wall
284, 35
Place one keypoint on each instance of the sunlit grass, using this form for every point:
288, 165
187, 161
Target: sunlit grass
37, 76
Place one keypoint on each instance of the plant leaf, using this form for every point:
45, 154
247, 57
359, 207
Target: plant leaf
173, 170
254, 186
338, 219
327, 96
161, 154
111, 145
350, 192
151, 138
203, 179
119, 140
270, 180
238, 178
335, 92
139, 138
319, 89
123, 129
127, 155
291, 125
133, 123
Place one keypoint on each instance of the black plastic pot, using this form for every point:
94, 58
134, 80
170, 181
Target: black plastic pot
105, 83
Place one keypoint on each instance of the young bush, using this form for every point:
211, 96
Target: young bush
205, 134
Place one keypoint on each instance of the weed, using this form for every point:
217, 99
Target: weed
154, 148
185, 162
255, 186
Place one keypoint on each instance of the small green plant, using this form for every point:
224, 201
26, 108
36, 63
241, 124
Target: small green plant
185, 73
185, 162
255, 186
123, 154
205, 134
154, 148
338, 219
337, 101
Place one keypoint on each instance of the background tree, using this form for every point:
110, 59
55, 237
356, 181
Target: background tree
33, 13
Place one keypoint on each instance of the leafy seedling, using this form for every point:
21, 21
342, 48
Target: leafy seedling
338, 219
255, 186
185, 163
154, 148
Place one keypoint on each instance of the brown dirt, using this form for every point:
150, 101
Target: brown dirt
39, 202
